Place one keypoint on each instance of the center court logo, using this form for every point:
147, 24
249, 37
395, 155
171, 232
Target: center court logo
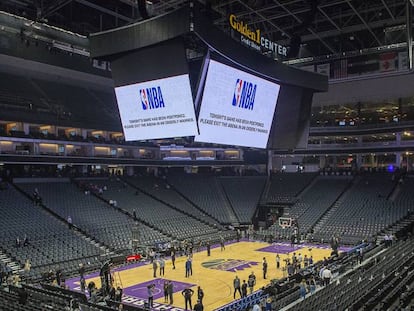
231, 265
151, 98
244, 94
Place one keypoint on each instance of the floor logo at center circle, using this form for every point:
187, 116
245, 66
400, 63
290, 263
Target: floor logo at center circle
231, 265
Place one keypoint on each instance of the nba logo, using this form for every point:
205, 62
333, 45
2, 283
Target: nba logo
151, 98
237, 92
244, 94
144, 99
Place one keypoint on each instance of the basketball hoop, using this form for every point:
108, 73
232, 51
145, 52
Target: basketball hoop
285, 222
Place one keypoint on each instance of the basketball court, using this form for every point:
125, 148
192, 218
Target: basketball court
213, 273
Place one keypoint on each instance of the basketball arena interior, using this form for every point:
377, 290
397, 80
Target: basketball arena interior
208, 155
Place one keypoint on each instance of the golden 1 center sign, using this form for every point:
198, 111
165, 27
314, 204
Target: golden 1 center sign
254, 39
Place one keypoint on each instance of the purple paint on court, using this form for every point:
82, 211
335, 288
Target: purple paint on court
71, 282
284, 248
141, 290
280, 248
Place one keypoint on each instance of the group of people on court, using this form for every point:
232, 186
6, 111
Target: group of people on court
241, 287
296, 263
158, 263
188, 294
168, 292
168, 286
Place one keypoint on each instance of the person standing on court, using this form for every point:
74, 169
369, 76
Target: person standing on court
151, 289
223, 248
165, 288
305, 261
236, 285
277, 261
154, 267
151, 255
162, 266
200, 294
300, 259
244, 289
264, 267
187, 267
171, 291
208, 248
187, 293
251, 282
190, 259
173, 258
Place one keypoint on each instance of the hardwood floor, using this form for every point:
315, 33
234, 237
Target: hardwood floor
215, 274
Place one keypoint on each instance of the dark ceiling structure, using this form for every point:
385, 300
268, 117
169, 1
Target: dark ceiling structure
313, 28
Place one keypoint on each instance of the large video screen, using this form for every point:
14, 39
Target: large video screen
236, 108
161, 108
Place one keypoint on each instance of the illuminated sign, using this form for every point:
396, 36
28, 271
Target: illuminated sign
161, 108
237, 107
254, 39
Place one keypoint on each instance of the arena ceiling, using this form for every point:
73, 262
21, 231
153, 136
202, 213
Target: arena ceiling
314, 27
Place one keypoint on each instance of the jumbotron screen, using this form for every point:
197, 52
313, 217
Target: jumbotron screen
237, 108
161, 108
